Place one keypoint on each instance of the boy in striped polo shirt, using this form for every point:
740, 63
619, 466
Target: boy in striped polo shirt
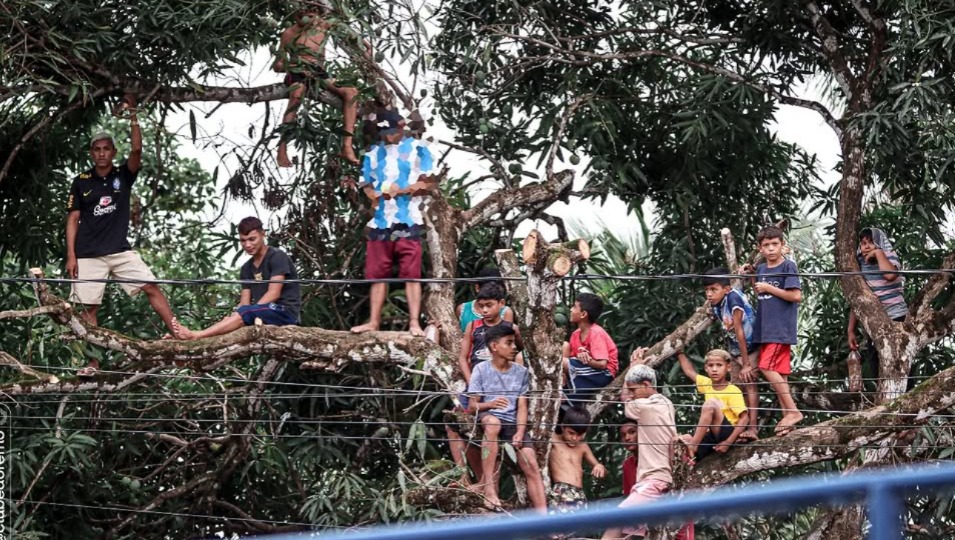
876, 256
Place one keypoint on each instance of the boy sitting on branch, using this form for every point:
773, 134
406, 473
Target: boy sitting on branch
301, 56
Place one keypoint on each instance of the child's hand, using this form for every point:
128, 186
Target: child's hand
747, 374
599, 471
853, 343
636, 357
583, 355
721, 448
498, 403
763, 287
371, 194
747, 269
392, 191
518, 439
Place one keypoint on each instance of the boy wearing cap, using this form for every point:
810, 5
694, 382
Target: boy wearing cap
97, 224
396, 177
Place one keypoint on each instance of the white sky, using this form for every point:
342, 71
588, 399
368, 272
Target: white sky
231, 121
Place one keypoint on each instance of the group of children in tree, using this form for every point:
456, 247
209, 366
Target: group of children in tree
396, 174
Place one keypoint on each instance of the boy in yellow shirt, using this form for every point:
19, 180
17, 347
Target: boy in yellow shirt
724, 416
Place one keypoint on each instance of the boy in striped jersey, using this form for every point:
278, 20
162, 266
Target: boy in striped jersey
876, 257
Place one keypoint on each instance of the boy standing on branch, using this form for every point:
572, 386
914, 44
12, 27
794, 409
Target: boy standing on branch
301, 56
396, 177
97, 224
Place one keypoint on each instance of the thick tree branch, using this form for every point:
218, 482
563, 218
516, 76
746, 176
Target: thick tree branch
504, 200
921, 306
831, 50
229, 94
665, 348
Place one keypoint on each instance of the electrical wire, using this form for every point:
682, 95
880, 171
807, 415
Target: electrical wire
474, 280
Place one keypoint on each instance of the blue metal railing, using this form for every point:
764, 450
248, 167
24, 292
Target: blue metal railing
882, 491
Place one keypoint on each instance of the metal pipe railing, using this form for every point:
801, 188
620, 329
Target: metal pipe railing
882, 491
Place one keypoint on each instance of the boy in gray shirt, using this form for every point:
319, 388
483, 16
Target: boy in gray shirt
498, 395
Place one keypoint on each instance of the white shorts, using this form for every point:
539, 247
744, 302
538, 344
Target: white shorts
124, 265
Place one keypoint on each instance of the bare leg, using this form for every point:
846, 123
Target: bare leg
458, 449
751, 395
711, 418
229, 324
527, 459
377, 301
490, 447
161, 306
565, 360
791, 414
413, 294
296, 91
89, 314
349, 115
473, 455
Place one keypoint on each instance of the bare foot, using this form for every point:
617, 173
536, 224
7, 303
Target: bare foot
788, 423
748, 436
415, 330
475, 488
348, 154
491, 500
367, 327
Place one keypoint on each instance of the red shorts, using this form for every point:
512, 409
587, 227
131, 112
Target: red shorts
776, 357
380, 256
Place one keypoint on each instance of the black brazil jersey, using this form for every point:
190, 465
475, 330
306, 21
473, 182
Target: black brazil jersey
103, 203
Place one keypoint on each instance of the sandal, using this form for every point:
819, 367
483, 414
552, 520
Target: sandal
88, 372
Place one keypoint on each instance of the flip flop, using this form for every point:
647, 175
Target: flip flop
782, 431
88, 372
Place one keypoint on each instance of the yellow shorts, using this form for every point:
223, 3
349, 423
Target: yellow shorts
124, 265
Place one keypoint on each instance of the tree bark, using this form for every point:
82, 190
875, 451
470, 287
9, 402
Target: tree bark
665, 348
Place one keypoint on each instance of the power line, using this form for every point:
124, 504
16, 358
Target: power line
397, 437
576, 277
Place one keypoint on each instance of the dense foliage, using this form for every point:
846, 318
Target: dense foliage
676, 105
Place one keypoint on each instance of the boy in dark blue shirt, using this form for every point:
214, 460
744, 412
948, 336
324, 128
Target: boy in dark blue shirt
273, 301
779, 293
730, 307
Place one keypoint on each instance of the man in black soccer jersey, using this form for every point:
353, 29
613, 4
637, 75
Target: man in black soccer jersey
96, 229
273, 301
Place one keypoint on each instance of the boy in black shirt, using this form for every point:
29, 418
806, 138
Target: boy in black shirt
96, 227
272, 301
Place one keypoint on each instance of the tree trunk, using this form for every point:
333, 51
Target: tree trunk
444, 233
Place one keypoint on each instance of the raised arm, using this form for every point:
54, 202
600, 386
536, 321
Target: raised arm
885, 265
687, 366
135, 159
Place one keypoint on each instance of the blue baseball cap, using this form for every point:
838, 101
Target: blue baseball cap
389, 122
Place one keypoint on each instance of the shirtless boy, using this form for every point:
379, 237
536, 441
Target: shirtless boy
301, 56
567, 455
